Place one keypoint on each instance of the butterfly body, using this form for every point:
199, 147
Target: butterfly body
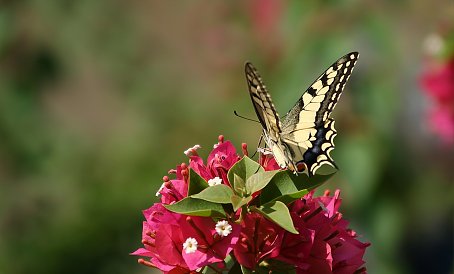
303, 140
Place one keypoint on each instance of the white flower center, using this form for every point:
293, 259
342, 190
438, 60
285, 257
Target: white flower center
190, 245
188, 152
223, 228
214, 181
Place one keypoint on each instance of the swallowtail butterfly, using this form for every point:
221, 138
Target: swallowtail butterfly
302, 140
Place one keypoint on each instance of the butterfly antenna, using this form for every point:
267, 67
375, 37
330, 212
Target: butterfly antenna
245, 118
258, 145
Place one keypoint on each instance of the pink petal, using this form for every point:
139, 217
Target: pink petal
198, 166
169, 243
142, 252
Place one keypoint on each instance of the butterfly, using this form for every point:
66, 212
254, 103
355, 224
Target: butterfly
303, 139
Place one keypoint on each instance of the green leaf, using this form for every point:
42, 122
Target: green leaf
278, 267
244, 168
259, 180
291, 197
196, 183
235, 268
288, 187
217, 194
196, 207
278, 213
238, 201
239, 185
245, 270
229, 262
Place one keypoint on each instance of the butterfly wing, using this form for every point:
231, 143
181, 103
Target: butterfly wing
307, 128
268, 117
264, 107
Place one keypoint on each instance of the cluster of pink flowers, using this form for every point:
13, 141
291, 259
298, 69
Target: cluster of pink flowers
178, 243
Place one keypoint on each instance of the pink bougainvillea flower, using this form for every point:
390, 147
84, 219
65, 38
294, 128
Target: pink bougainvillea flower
219, 161
267, 161
169, 245
172, 190
295, 248
160, 235
259, 239
211, 247
165, 234
158, 214
335, 248
180, 244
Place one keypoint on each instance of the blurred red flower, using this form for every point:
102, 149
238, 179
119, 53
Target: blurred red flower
442, 122
438, 82
265, 17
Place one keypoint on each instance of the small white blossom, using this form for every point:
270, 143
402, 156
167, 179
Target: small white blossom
159, 190
215, 145
223, 228
215, 181
190, 245
188, 152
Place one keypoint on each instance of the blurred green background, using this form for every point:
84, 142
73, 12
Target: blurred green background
99, 99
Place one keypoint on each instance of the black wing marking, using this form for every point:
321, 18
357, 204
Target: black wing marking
319, 153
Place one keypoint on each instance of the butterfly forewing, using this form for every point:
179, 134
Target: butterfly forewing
264, 107
318, 101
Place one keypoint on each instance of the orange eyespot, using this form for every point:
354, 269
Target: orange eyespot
300, 166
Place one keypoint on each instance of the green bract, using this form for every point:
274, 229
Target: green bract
196, 207
278, 213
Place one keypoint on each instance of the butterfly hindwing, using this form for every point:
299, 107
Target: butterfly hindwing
314, 151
